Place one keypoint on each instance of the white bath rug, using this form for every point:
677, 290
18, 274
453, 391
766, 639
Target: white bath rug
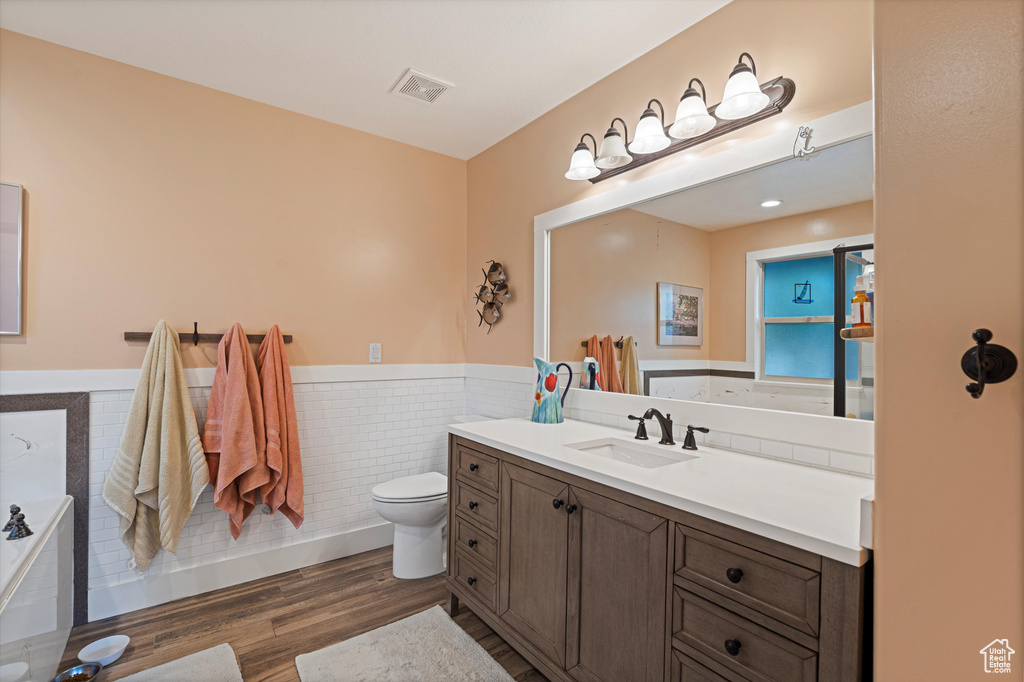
426, 647
211, 665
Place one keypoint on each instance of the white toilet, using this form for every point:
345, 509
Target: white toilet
418, 506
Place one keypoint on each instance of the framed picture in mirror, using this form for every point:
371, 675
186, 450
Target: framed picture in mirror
680, 315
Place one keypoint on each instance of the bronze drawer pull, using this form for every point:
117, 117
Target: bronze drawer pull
472, 505
474, 466
732, 646
472, 581
556, 503
570, 508
471, 542
734, 574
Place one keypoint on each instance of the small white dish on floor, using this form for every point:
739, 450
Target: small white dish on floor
104, 651
14, 672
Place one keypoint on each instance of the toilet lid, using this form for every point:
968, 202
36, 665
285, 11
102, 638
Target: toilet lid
408, 488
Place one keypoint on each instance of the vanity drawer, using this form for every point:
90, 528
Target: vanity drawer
778, 589
761, 656
472, 577
685, 669
477, 505
476, 467
473, 541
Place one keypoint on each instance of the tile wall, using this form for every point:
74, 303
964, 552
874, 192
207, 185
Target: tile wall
353, 435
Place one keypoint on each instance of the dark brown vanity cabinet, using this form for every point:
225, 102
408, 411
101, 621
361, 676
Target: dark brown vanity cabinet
582, 577
616, 591
533, 558
592, 584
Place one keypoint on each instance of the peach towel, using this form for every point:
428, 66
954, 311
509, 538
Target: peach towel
233, 437
284, 490
609, 368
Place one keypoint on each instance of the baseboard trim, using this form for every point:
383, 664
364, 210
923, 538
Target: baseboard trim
113, 600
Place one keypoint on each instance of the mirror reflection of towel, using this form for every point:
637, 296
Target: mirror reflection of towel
609, 368
632, 380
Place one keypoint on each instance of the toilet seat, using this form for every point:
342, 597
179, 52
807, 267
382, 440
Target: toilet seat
420, 488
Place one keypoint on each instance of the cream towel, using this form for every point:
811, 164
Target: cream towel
159, 470
632, 381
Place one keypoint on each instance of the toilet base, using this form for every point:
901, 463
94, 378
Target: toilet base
418, 551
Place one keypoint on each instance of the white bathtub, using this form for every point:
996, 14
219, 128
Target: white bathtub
36, 591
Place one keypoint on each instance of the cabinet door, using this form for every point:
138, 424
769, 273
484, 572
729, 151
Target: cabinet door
534, 550
617, 591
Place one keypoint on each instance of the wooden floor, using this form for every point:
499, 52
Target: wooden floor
269, 622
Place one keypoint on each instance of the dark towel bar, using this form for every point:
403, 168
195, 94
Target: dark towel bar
618, 344
198, 338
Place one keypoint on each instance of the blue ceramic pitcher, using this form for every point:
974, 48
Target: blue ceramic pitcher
547, 406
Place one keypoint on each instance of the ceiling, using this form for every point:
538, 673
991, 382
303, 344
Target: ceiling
509, 60
840, 175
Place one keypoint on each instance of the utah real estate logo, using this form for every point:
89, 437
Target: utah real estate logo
997, 656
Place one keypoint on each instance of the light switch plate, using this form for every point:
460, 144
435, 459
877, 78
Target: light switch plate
374, 352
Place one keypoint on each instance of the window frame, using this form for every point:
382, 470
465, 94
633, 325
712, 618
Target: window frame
756, 321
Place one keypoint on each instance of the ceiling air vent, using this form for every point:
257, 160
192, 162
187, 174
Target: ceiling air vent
420, 87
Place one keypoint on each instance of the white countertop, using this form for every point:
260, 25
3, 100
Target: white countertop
815, 510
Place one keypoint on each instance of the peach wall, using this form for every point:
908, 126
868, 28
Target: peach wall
522, 176
149, 197
728, 309
949, 523
604, 280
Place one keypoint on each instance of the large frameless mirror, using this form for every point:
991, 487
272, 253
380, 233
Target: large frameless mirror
734, 291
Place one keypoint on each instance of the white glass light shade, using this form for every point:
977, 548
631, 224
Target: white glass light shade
692, 118
650, 135
742, 98
582, 167
613, 152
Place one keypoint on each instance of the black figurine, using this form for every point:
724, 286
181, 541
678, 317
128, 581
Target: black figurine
20, 529
10, 523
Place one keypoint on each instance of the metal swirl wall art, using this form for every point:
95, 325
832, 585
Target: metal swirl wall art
492, 295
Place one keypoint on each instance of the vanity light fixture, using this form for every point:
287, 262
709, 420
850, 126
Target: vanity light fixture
771, 203
745, 102
613, 152
650, 134
581, 166
692, 117
743, 96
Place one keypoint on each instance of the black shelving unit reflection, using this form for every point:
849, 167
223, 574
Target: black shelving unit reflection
839, 322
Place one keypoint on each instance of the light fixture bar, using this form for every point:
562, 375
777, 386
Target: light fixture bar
780, 93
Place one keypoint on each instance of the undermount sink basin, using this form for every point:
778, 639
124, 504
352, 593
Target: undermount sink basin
632, 452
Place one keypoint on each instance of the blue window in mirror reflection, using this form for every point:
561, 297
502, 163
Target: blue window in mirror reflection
797, 348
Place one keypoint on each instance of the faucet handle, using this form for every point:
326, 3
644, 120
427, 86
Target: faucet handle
690, 442
641, 429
